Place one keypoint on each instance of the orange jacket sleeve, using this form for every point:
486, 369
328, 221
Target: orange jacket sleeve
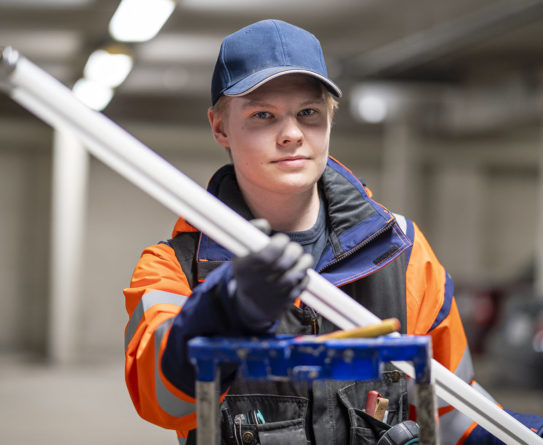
432, 310
157, 292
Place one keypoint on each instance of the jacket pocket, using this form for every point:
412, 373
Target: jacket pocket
284, 418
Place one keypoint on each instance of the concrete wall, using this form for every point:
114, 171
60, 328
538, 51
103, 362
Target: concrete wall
475, 199
24, 235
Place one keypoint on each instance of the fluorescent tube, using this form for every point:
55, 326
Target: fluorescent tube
108, 67
139, 20
93, 94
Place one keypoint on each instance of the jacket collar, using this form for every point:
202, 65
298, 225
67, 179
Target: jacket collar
354, 220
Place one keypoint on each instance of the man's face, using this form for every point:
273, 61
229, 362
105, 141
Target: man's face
278, 135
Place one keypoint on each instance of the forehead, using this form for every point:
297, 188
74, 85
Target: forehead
290, 86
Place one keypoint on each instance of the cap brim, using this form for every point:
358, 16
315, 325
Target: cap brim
254, 81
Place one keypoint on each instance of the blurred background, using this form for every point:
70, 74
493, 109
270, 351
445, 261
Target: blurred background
441, 116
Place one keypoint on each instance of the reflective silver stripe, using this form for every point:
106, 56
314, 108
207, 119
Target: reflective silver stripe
483, 391
402, 222
182, 440
442, 403
147, 301
452, 426
464, 370
170, 403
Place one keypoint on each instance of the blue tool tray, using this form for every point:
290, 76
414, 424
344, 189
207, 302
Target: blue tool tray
299, 358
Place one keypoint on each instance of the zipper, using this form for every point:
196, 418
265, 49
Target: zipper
355, 249
314, 320
363, 244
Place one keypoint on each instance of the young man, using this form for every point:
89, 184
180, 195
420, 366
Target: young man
272, 110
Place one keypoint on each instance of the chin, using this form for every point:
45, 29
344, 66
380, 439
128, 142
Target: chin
296, 186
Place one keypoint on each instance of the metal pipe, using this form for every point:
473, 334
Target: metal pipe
207, 413
55, 104
425, 401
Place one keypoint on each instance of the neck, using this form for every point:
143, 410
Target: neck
286, 213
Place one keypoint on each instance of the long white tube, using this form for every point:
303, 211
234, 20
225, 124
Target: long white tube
55, 104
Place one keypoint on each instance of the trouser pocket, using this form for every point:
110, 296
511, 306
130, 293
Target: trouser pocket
281, 420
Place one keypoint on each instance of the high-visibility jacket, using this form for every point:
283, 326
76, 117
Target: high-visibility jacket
179, 290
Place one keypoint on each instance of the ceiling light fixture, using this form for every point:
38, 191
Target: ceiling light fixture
375, 102
93, 94
140, 20
372, 109
109, 66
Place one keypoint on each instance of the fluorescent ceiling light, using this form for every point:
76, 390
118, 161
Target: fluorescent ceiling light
93, 94
376, 102
108, 67
139, 20
372, 108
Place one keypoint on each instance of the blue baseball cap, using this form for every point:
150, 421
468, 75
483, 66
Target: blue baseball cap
263, 51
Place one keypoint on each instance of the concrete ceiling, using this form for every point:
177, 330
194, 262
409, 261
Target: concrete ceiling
437, 45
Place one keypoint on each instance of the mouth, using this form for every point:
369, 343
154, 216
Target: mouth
291, 162
291, 159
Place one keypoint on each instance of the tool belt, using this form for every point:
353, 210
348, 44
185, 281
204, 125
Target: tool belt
331, 412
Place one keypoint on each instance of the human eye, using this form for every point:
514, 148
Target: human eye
308, 112
262, 115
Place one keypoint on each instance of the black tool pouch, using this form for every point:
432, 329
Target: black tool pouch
284, 417
362, 427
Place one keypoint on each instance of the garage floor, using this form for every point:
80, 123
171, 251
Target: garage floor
89, 404
77, 405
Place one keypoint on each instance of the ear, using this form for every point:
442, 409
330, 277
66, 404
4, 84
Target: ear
217, 122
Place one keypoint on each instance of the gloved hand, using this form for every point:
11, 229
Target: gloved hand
403, 433
269, 280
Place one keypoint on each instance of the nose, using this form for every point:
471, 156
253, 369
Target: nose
290, 133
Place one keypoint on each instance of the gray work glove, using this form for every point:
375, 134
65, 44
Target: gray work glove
269, 280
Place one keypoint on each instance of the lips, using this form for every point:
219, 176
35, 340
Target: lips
291, 159
291, 162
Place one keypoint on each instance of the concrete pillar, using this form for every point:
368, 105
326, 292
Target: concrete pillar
69, 199
457, 209
400, 188
539, 235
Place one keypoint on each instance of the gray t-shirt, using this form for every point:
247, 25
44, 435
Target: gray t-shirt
313, 240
